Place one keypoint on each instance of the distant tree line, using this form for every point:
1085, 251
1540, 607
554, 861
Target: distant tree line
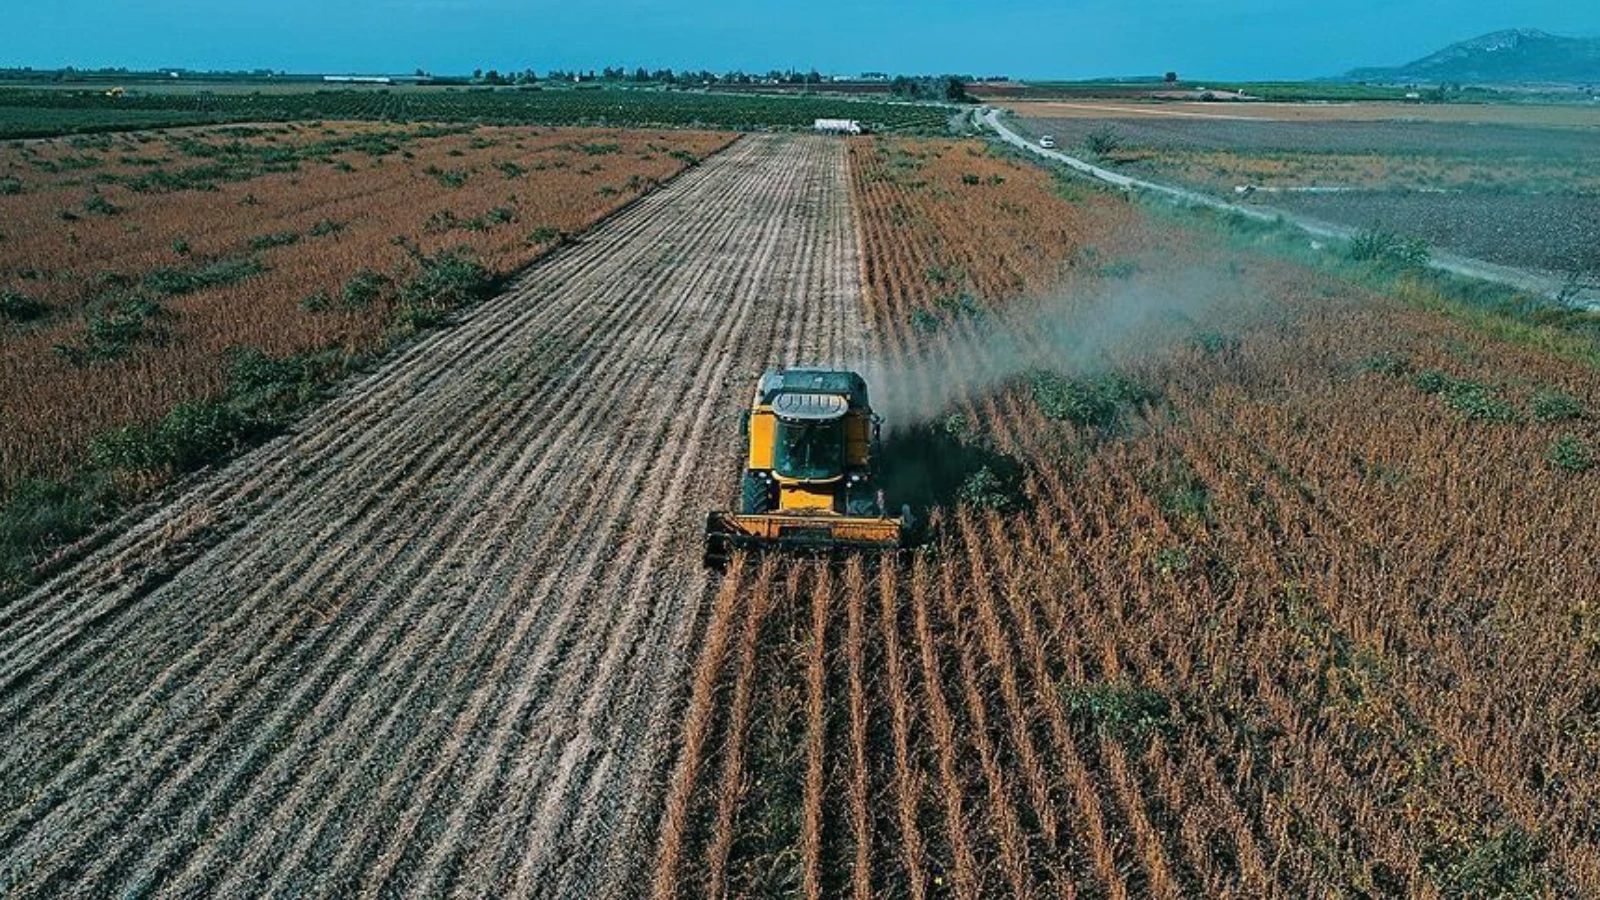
943, 87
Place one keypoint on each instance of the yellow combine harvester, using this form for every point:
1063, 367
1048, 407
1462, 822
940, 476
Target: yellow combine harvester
808, 479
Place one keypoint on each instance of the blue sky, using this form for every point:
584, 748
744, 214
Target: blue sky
1069, 39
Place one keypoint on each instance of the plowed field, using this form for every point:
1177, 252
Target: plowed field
434, 642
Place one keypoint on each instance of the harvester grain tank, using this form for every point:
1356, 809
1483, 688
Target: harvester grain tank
808, 480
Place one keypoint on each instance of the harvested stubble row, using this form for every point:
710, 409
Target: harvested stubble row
434, 643
1296, 623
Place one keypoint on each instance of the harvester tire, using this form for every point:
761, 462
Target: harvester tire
756, 498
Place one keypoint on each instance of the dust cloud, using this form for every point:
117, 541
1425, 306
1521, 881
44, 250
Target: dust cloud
1119, 324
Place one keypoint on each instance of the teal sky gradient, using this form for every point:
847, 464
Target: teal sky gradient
1072, 39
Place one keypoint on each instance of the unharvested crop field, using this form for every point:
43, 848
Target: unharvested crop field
134, 265
1505, 188
1239, 580
1243, 621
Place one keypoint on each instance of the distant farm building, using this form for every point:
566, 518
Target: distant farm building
837, 126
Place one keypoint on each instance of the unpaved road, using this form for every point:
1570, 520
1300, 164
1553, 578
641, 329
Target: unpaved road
435, 643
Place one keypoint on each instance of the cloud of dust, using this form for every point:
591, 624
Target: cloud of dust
1119, 324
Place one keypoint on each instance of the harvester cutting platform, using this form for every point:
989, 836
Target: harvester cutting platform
808, 480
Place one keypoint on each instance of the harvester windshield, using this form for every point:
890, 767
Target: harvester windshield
809, 450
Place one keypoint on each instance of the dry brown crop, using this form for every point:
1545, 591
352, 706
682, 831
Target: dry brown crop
253, 237
1312, 614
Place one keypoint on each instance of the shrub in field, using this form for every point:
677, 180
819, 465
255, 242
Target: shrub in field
363, 289
1570, 454
1503, 864
984, 489
98, 204
1085, 401
510, 169
1213, 341
1387, 363
111, 333
448, 177
263, 394
1554, 406
962, 304
172, 282
1181, 492
925, 321
191, 436
449, 279
277, 239
440, 222
544, 234
1379, 246
16, 306
325, 227
1129, 713
1104, 141
269, 390
180, 246
41, 513
1473, 399
10, 186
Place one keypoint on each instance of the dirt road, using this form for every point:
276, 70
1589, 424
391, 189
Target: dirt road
436, 642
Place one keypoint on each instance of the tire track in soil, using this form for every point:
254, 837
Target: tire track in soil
436, 641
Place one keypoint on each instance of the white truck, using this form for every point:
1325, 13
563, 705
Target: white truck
837, 126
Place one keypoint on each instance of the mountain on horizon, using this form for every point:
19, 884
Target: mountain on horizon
1513, 56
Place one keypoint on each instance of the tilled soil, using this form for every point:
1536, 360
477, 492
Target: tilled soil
1555, 232
436, 642
1425, 138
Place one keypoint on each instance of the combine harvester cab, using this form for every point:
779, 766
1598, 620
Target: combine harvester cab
808, 479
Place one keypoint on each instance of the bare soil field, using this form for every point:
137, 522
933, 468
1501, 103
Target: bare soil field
1247, 582
1555, 233
132, 265
436, 642
1388, 138
1575, 116
1513, 194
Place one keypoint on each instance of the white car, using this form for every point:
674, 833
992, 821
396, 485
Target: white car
1047, 142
